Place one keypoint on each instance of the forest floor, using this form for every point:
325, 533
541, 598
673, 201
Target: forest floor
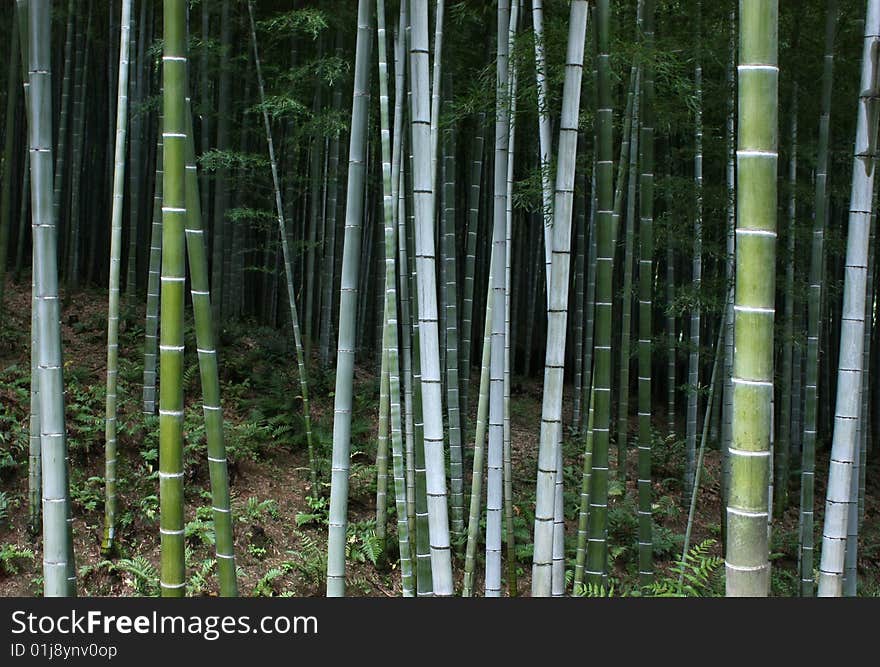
280, 521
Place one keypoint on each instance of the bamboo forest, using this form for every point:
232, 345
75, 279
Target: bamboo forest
475, 298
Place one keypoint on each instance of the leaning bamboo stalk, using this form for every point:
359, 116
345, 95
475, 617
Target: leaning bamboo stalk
551, 411
107, 545
347, 309
544, 135
699, 460
288, 266
474, 513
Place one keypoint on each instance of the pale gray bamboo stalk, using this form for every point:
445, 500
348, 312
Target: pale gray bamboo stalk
390, 381
551, 411
437, 71
844, 444
429, 341
506, 466
544, 135
59, 573
347, 308
499, 260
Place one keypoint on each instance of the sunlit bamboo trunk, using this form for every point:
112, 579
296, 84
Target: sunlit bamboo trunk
747, 564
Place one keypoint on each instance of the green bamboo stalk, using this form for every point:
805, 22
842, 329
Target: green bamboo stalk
783, 444
221, 189
108, 545
747, 557
646, 283
814, 312
597, 552
473, 220
584, 509
174, 213
626, 314
197, 253
63, 116
79, 123
135, 90
453, 399
729, 268
151, 329
474, 513
9, 141
697, 264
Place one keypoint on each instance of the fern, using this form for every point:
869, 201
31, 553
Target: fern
4, 506
199, 580
310, 561
591, 590
695, 574
10, 555
144, 576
